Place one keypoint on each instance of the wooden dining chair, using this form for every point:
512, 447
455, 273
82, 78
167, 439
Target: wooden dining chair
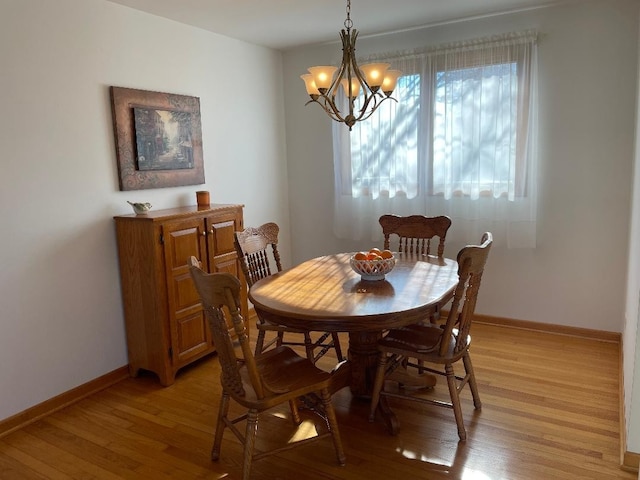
437, 345
258, 383
415, 233
257, 248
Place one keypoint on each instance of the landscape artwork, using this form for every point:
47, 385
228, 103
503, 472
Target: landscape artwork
163, 139
158, 139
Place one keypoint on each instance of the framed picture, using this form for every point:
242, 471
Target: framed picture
158, 139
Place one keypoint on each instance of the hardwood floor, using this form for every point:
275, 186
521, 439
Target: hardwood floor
550, 411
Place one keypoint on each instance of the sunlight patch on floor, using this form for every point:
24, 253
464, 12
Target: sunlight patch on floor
467, 473
306, 429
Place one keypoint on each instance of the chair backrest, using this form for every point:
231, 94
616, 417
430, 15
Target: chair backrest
252, 248
220, 292
415, 232
471, 262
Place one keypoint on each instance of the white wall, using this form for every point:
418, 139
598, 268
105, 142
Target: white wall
588, 56
61, 322
631, 333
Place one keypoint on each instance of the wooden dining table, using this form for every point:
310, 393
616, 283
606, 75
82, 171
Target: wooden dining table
325, 294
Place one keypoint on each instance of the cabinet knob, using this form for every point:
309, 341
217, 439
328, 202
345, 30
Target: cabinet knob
204, 233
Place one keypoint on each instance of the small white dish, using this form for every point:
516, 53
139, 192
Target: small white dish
140, 208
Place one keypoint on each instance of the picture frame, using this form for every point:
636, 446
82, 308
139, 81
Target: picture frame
158, 139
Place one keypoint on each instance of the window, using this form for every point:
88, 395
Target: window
384, 149
473, 132
460, 141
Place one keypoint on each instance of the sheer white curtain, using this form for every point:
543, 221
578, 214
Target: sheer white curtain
461, 141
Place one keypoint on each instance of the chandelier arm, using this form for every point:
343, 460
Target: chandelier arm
350, 64
329, 105
364, 114
328, 97
365, 105
333, 88
345, 68
333, 112
332, 109
346, 56
354, 63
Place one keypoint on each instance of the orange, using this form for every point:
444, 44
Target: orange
386, 254
360, 256
375, 250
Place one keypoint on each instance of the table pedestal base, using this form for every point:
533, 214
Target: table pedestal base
363, 355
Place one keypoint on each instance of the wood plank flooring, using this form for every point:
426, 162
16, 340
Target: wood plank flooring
550, 411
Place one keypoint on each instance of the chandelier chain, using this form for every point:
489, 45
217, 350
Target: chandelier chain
348, 23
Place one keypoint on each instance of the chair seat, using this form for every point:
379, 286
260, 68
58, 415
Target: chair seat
422, 341
272, 327
284, 371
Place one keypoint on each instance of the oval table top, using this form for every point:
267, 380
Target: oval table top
325, 294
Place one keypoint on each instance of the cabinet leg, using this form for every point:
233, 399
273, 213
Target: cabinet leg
167, 379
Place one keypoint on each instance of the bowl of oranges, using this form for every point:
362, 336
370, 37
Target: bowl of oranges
374, 264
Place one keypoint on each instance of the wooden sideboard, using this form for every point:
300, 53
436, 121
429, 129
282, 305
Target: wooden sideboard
165, 324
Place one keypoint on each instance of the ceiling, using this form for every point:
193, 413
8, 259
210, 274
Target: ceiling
284, 24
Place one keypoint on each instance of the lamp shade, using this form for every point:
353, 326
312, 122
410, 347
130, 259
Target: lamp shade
374, 74
323, 76
310, 84
390, 81
355, 87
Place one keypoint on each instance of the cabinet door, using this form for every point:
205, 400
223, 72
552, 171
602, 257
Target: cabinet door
221, 229
190, 335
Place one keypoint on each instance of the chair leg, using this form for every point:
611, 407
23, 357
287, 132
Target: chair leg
473, 385
377, 385
295, 413
323, 344
260, 342
308, 347
249, 442
220, 426
333, 426
455, 400
337, 347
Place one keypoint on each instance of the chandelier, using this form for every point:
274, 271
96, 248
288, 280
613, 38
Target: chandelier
375, 80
